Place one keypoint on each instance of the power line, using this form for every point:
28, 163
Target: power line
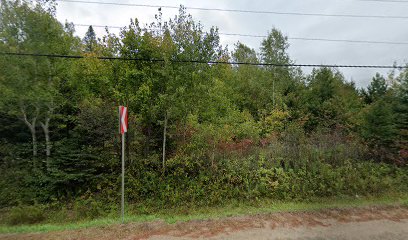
201, 61
240, 10
292, 38
385, 1
349, 41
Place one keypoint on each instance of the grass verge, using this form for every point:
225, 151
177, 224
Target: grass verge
205, 213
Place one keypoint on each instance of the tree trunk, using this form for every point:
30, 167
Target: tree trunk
164, 140
34, 139
31, 125
45, 127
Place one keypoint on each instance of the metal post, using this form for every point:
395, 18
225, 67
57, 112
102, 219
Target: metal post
123, 178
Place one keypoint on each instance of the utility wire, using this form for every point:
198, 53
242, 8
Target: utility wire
240, 10
292, 38
385, 1
201, 61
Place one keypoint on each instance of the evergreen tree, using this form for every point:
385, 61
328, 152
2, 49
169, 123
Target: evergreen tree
401, 111
89, 41
376, 90
329, 100
379, 128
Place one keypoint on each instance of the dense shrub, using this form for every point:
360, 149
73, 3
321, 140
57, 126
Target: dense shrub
253, 178
186, 183
25, 215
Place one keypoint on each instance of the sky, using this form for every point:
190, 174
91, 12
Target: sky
293, 26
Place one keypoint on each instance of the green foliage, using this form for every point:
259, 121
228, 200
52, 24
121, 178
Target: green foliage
252, 179
379, 123
384, 118
274, 47
330, 101
275, 122
87, 207
401, 116
376, 90
230, 132
89, 40
25, 215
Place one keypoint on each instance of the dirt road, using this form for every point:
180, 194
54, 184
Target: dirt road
361, 223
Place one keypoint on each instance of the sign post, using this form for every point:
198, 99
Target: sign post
123, 118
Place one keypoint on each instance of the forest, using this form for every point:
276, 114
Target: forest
206, 125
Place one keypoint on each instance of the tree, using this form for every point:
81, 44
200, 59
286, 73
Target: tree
243, 53
329, 101
274, 47
401, 113
380, 118
33, 29
376, 90
282, 82
164, 94
379, 129
246, 81
89, 41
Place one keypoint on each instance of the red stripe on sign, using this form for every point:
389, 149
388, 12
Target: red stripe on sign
123, 119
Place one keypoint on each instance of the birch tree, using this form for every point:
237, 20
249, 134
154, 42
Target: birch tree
31, 82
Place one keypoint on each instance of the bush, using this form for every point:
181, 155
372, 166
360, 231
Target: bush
87, 207
26, 215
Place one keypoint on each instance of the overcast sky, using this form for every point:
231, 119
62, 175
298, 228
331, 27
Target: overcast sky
302, 52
